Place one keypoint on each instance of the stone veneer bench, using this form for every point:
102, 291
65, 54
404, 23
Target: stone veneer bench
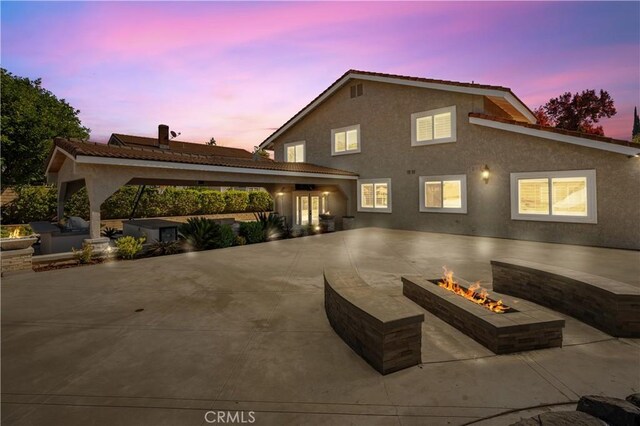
386, 332
525, 327
608, 305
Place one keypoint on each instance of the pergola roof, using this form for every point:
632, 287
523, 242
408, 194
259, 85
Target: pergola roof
99, 153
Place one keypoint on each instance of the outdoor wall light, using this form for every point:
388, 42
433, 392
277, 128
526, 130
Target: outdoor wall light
485, 174
280, 194
325, 193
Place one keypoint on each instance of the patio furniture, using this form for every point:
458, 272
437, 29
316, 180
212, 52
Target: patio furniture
606, 304
386, 332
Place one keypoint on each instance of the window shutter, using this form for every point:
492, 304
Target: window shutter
366, 191
533, 196
340, 141
299, 153
569, 196
451, 194
442, 127
424, 126
433, 194
291, 154
352, 140
381, 195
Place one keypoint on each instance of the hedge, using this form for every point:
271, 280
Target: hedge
36, 203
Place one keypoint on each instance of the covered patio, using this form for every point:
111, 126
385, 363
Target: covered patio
244, 328
103, 169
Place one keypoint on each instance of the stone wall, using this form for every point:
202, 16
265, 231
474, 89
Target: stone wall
16, 260
382, 330
608, 305
526, 329
241, 217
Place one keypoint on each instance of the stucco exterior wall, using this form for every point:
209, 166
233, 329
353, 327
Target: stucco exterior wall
384, 114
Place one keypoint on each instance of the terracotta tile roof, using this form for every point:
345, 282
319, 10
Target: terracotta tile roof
555, 130
396, 76
182, 146
91, 149
431, 80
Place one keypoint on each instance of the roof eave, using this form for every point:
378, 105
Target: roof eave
560, 137
505, 93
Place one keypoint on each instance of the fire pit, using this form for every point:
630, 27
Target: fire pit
502, 324
17, 238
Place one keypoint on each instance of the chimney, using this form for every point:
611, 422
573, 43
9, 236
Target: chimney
163, 136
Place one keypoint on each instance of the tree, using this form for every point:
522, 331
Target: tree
635, 133
580, 111
257, 151
31, 117
212, 142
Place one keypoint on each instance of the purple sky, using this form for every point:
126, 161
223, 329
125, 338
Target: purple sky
236, 71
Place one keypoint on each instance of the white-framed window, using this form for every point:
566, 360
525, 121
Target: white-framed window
434, 126
557, 196
345, 140
295, 152
443, 194
374, 195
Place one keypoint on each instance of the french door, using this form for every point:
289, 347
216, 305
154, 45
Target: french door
308, 207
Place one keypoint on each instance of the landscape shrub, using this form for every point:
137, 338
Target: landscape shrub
239, 240
38, 203
83, 255
32, 203
252, 232
119, 204
224, 236
260, 201
77, 205
129, 247
211, 202
199, 233
272, 225
236, 201
162, 248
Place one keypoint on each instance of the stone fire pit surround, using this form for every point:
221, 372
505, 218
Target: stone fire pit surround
525, 328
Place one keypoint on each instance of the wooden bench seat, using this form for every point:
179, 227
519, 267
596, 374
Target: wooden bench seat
386, 332
606, 304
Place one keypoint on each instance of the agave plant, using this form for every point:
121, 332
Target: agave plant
109, 232
199, 233
272, 224
161, 248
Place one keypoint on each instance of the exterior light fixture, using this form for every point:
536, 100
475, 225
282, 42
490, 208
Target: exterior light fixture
280, 194
325, 193
485, 174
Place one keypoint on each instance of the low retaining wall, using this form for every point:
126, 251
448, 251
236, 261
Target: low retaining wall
16, 260
526, 329
384, 331
608, 305
240, 217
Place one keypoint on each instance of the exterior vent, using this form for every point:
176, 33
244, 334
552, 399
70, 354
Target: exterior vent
356, 90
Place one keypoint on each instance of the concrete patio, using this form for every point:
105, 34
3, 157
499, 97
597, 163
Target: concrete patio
244, 329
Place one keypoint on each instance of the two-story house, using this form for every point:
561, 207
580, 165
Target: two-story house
459, 158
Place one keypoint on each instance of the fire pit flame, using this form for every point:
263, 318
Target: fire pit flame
475, 293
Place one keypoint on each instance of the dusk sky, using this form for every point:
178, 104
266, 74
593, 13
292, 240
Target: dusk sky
236, 71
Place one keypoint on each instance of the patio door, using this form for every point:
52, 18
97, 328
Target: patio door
308, 207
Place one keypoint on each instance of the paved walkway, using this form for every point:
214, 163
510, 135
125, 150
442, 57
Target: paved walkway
244, 329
